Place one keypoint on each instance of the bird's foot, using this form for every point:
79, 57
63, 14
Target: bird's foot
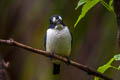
51, 55
68, 61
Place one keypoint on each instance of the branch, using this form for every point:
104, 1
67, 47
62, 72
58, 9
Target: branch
85, 68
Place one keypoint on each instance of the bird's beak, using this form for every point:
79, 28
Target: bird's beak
58, 22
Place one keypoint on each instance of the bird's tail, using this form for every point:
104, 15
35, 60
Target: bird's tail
56, 68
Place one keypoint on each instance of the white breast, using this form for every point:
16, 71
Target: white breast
59, 41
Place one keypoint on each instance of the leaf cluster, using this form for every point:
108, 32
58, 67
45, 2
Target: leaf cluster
89, 4
108, 65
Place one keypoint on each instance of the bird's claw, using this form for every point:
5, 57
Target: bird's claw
51, 55
68, 60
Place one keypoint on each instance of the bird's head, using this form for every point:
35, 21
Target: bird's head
56, 22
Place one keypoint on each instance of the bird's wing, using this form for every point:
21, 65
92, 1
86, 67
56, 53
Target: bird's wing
71, 38
45, 41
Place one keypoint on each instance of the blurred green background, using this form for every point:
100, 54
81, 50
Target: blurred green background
26, 21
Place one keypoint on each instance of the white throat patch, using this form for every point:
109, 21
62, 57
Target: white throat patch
59, 27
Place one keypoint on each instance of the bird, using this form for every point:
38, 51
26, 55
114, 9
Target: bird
58, 40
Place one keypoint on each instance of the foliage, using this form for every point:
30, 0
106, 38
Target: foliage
108, 65
88, 4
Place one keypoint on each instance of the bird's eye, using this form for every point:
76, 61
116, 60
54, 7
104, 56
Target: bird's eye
54, 19
60, 18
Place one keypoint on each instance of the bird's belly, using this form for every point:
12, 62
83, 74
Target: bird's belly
59, 42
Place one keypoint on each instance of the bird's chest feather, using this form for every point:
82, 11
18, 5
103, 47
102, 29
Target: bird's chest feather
58, 41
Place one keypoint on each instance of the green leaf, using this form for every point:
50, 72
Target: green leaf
81, 2
105, 67
117, 57
110, 2
88, 4
108, 7
86, 7
118, 67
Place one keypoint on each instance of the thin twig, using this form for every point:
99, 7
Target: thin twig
47, 54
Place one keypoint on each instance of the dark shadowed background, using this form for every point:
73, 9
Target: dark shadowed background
26, 21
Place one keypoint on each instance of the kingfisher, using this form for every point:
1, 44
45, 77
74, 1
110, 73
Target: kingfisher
58, 40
